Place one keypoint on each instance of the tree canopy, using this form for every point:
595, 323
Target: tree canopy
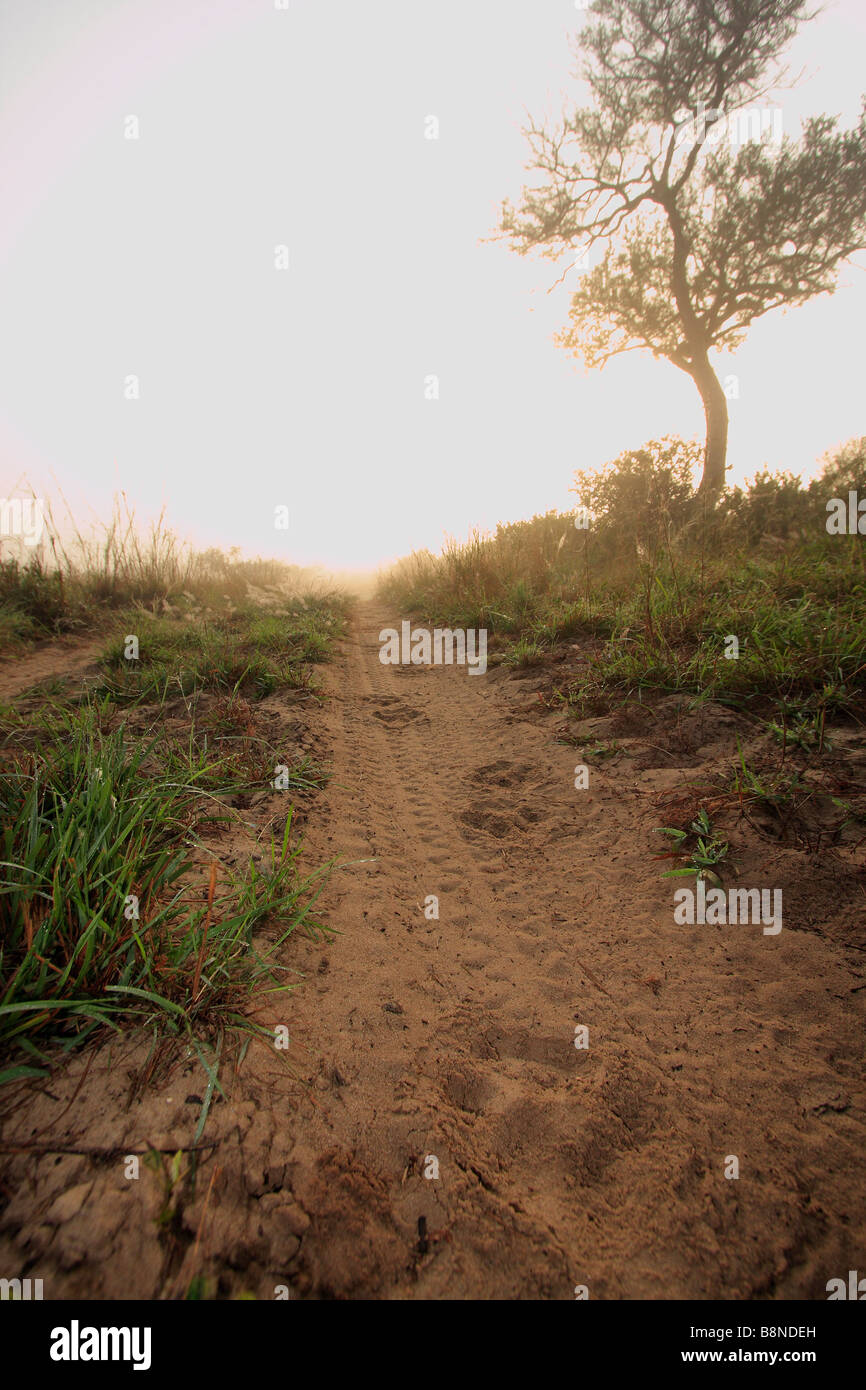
703, 216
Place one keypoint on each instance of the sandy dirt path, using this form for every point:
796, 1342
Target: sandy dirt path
442, 1136
453, 1039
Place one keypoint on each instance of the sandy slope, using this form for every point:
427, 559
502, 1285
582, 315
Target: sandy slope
454, 1039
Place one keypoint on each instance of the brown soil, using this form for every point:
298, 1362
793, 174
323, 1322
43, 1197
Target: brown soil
47, 661
414, 1039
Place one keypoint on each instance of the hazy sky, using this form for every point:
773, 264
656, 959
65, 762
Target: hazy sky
305, 127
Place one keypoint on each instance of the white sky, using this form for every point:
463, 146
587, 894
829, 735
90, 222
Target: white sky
306, 388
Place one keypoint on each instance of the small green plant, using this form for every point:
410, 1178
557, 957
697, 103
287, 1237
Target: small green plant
525, 652
200, 1289
703, 850
171, 1175
776, 791
603, 750
805, 731
853, 815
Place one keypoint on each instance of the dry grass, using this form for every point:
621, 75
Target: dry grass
72, 578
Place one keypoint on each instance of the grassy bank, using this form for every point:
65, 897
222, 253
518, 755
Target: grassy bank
651, 591
72, 582
151, 813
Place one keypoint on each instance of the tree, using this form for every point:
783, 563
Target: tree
699, 238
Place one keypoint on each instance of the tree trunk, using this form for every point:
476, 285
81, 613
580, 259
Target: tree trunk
716, 413
697, 362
